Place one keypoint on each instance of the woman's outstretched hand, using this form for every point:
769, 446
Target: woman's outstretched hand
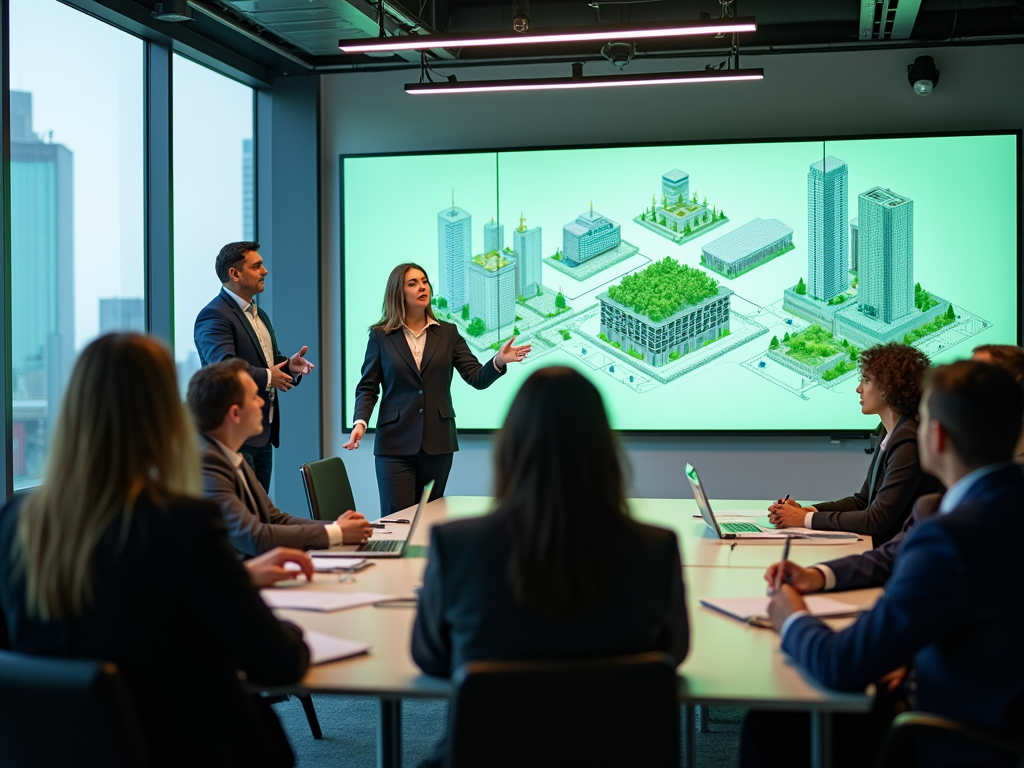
509, 354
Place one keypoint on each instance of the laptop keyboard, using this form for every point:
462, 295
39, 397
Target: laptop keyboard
739, 528
381, 546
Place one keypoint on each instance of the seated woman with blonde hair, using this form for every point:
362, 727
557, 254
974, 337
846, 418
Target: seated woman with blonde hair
114, 557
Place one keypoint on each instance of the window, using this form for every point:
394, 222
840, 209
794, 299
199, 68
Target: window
213, 190
76, 205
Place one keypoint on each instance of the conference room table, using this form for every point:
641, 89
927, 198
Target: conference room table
729, 664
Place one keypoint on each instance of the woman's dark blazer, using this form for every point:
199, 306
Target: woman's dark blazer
881, 509
467, 611
179, 615
416, 408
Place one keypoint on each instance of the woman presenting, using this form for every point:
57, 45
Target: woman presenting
412, 355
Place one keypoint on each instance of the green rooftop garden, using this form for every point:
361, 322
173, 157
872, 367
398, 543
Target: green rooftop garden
492, 261
813, 345
663, 289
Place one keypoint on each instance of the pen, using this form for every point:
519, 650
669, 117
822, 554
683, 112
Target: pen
782, 565
376, 525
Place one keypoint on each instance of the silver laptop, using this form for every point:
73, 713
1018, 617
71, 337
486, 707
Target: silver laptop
389, 541
745, 529
731, 529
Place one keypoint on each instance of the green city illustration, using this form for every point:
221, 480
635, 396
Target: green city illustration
648, 319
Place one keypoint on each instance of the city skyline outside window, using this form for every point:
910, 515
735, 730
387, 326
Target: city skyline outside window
77, 195
213, 190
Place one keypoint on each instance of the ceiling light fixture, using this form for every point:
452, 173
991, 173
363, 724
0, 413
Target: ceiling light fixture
601, 33
578, 81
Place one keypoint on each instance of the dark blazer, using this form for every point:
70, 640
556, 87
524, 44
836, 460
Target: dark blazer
253, 534
178, 614
416, 408
953, 605
874, 567
467, 611
223, 331
880, 510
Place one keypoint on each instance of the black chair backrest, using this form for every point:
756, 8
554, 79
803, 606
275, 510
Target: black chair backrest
911, 732
620, 711
66, 712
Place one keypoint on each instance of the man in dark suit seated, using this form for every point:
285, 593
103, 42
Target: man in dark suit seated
950, 604
233, 326
227, 408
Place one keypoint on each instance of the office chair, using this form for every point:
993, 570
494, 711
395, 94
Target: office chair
620, 711
328, 491
66, 712
908, 728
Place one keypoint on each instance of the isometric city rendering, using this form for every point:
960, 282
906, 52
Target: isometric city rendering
649, 318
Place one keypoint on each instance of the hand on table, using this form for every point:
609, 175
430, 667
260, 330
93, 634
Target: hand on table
280, 378
354, 527
353, 439
803, 580
299, 365
784, 604
267, 568
788, 514
509, 354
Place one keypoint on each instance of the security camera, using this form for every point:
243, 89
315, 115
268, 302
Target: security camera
619, 54
923, 75
521, 16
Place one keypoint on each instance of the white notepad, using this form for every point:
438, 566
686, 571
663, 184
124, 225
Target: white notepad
747, 608
324, 648
318, 600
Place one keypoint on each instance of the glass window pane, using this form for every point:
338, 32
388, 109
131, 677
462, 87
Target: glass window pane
213, 190
76, 205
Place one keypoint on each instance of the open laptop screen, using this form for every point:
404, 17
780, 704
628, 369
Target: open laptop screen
702, 499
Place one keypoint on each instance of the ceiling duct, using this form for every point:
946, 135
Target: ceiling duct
888, 19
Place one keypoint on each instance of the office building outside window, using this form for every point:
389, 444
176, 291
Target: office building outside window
214, 190
76, 205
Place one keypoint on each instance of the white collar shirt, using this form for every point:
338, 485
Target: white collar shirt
418, 341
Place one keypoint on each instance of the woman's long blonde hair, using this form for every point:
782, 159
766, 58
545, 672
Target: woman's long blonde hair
121, 432
393, 309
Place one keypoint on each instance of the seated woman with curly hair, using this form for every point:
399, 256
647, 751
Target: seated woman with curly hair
890, 387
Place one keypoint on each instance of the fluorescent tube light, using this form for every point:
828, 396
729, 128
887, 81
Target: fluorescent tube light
600, 81
602, 33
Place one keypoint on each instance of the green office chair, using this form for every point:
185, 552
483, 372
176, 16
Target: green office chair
328, 491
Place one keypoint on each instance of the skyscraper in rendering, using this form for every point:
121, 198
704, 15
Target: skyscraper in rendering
42, 273
491, 287
494, 236
526, 245
885, 254
827, 212
454, 250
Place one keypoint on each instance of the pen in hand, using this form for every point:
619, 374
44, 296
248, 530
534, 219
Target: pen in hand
782, 565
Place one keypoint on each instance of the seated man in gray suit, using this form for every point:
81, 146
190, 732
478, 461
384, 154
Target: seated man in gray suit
228, 410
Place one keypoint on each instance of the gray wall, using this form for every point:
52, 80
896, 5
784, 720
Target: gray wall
803, 95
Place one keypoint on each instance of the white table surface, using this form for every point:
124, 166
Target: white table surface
729, 662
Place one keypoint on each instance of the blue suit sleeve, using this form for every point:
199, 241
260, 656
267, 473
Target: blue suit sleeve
431, 641
868, 569
215, 341
922, 601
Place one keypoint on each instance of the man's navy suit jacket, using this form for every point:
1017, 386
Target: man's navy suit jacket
223, 331
416, 408
953, 606
874, 567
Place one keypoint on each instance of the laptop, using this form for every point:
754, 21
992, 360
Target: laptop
746, 529
389, 541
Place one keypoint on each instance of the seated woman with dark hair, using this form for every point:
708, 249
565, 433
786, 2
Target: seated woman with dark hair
534, 579
114, 558
890, 387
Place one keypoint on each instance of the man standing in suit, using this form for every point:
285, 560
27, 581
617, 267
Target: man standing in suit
233, 326
945, 608
227, 408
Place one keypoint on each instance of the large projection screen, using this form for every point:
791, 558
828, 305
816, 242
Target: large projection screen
714, 287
